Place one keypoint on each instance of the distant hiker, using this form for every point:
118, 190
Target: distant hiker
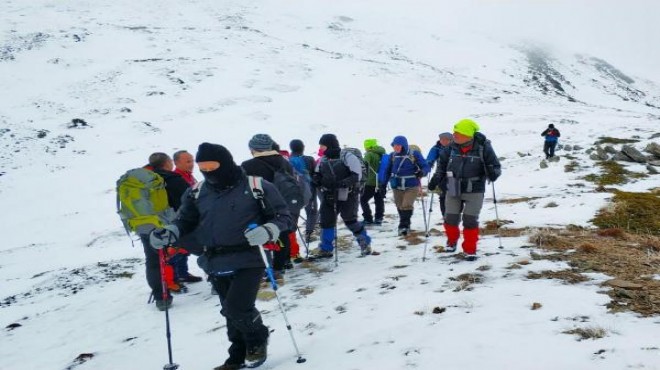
372, 188
403, 168
265, 163
337, 177
305, 165
551, 135
184, 164
220, 211
175, 185
441, 146
466, 168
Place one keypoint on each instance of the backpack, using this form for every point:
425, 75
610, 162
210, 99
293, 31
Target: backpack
142, 201
356, 152
294, 189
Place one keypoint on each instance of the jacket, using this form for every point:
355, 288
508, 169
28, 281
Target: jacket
402, 169
372, 159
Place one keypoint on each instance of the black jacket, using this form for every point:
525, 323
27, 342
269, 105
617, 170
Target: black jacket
472, 167
219, 220
175, 186
258, 166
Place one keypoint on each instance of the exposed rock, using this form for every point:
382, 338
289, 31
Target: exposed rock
599, 155
577, 147
652, 169
568, 148
654, 149
559, 147
624, 284
619, 156
609, 149
521, 154
554, 159
655, 136
633, 153
543, 164
655, 163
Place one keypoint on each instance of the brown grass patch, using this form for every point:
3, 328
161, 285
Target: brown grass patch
517, 200
587, 333
627, 257
466, 281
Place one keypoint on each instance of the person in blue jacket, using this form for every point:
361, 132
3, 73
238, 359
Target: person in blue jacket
444, 139
403, 168
551, 135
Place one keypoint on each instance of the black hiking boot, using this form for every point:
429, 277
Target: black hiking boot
162, 305
256, 355
227, 366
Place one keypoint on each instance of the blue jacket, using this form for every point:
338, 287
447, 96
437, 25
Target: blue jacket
401, 169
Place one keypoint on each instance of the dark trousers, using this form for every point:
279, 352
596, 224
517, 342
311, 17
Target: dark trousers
442, 197
281, 257
312, 212
379, 202
238, 293
549, 149
330, 208
152, 268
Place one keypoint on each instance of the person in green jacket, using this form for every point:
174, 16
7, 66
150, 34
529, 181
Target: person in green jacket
372, 188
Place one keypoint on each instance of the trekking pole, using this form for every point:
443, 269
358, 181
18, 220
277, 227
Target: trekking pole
304, 241
161, 257
497, 217
336, 241
426, 224
273, 284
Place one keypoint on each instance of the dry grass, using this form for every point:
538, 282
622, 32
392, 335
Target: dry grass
632, 212
627, 257
517, 200
587, 333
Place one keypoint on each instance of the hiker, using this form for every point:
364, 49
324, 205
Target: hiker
470, 162
305, 165
403, 168
184, 163
220, 211
372, 188
551, 135
442, 145
264, 163
337, 177
175, 185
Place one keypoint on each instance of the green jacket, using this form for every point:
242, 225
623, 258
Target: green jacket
372, 159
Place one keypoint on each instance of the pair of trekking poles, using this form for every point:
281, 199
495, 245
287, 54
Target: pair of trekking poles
427, 220
269, 272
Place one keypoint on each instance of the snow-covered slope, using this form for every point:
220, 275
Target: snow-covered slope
91, 90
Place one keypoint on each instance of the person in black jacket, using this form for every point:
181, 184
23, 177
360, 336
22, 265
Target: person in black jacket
175, 186
551, 135
231, 222
264, 164
470, 162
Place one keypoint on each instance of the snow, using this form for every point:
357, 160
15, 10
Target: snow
169, 75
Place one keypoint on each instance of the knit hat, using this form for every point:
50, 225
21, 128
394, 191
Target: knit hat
329, 140
296, 146
370, 143
446, 135
466, 127
551, 126
213, 152
261, 142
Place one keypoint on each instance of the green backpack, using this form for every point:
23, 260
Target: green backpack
142, 201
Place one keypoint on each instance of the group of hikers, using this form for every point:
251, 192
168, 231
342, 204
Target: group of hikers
236, 210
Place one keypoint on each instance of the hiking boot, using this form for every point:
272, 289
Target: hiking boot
470, 257
177, 288
403, 231
191, 279
367, 222
288, 265
378, 221
162, 305
320, 253
256, 355
297, 258
449, 248
227, 366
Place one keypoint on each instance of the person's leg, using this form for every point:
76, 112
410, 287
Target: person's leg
473, 205
152, 265
452, 218
367, 194
379, 202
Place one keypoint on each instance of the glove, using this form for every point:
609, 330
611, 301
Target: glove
419, 174
434, 182
163, 236
346, 183
492, 173
262, 234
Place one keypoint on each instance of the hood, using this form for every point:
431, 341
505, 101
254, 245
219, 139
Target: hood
401, 140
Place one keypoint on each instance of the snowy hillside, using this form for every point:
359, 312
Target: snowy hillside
91, 89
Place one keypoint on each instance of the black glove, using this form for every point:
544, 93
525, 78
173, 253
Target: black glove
163, 237
492, 173
346, 183
434, 182
419, 174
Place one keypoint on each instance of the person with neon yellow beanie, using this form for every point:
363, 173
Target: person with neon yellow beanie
372, 188
470, 162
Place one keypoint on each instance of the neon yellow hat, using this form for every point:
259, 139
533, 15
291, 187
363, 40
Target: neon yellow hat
466, 127
370, 143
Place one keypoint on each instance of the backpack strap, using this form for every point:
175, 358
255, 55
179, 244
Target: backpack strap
196, 189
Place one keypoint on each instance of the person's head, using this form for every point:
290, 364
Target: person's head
329, 145
217, 165
261, 143
183, 161
400, 144
551, 126
370, 143
445, 138
297, 146
161, 161
464, 131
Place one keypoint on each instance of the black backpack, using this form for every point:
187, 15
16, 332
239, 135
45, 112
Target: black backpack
290, 189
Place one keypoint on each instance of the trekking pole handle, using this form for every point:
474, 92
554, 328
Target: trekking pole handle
269, 268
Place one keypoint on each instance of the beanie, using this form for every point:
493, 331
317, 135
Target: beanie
329, 140
296, 146
446, 135
370, 143
213, 152
551, 126
466, 127
261, 142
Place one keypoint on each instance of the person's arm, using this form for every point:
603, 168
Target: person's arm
280, 215
493, 167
